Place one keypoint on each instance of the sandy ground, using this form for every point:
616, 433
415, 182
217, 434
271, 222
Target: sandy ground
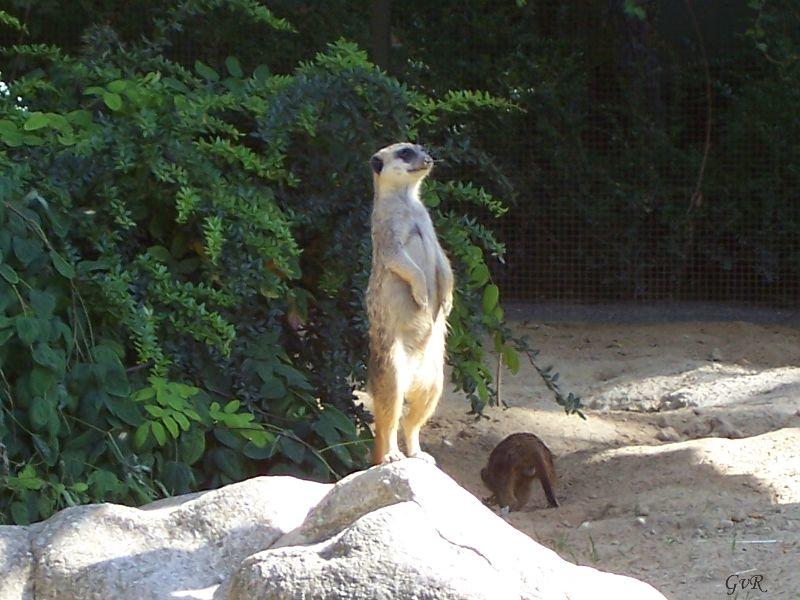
683, 497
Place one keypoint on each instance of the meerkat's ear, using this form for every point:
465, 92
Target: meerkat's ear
376, 163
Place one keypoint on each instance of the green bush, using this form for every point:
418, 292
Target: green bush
183, 257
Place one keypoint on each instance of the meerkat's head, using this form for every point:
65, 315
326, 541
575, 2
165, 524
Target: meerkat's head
400, 165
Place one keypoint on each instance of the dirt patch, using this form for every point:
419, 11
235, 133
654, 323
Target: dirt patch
682, 498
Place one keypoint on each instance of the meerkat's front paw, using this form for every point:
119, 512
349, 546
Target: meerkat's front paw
447, 305
420, 295
424, 456
392, 456
504, 512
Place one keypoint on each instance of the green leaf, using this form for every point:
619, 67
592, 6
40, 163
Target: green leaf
19, 513
158, 432
118, 86
47, 357
81, 118
258, 437
177, 477
332, 438
259, 453
32, 140
104, 483
261, 74
43, 303
205, 71
233, 66
191, 446
27, 479
9, 274
144, 394
41, 380
171, 426
229, 438
232, 406
36, 120
7, 127
182, 421
154, 410
339, 420
47, 450
273, 389
511, 359
39, 412
12, 138
293, 449
26, 250
124, 409
112, 100
479, 275
160, 253
491, 294
140, 437
79, 487
229, 462
61, 265
28, 329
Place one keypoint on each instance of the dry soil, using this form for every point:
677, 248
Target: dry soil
686, 471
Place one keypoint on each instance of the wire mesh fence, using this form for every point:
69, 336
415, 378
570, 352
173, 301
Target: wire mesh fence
655, 158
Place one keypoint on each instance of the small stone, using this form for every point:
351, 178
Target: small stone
641, 510
716, 355
738, 516
585, 525
447, 443
724, 428
725, 524
662, 421
641, 521
668, 434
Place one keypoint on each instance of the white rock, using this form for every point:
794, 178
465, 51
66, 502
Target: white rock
403, 530
178, 548
432, 540
16, 563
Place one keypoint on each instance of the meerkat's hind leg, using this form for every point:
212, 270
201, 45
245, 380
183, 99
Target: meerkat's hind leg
422, 403
387, 405
522, 491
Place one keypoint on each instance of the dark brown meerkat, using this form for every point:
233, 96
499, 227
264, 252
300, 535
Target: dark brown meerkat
409, 297
514, 464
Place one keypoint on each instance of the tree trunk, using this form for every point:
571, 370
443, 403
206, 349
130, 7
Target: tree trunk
380, 29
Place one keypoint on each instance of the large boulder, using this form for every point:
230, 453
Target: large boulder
404, 530
183, 547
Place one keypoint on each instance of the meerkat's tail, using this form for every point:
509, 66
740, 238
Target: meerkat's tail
546, 472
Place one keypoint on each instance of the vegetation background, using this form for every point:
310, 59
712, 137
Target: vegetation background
184, 205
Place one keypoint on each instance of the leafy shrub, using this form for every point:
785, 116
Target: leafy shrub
184, 256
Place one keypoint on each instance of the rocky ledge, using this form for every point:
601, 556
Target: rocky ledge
404, 530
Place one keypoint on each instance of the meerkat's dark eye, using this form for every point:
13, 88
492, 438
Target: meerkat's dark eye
406, 154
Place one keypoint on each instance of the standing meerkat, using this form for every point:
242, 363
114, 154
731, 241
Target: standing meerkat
409, 297
514, 464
